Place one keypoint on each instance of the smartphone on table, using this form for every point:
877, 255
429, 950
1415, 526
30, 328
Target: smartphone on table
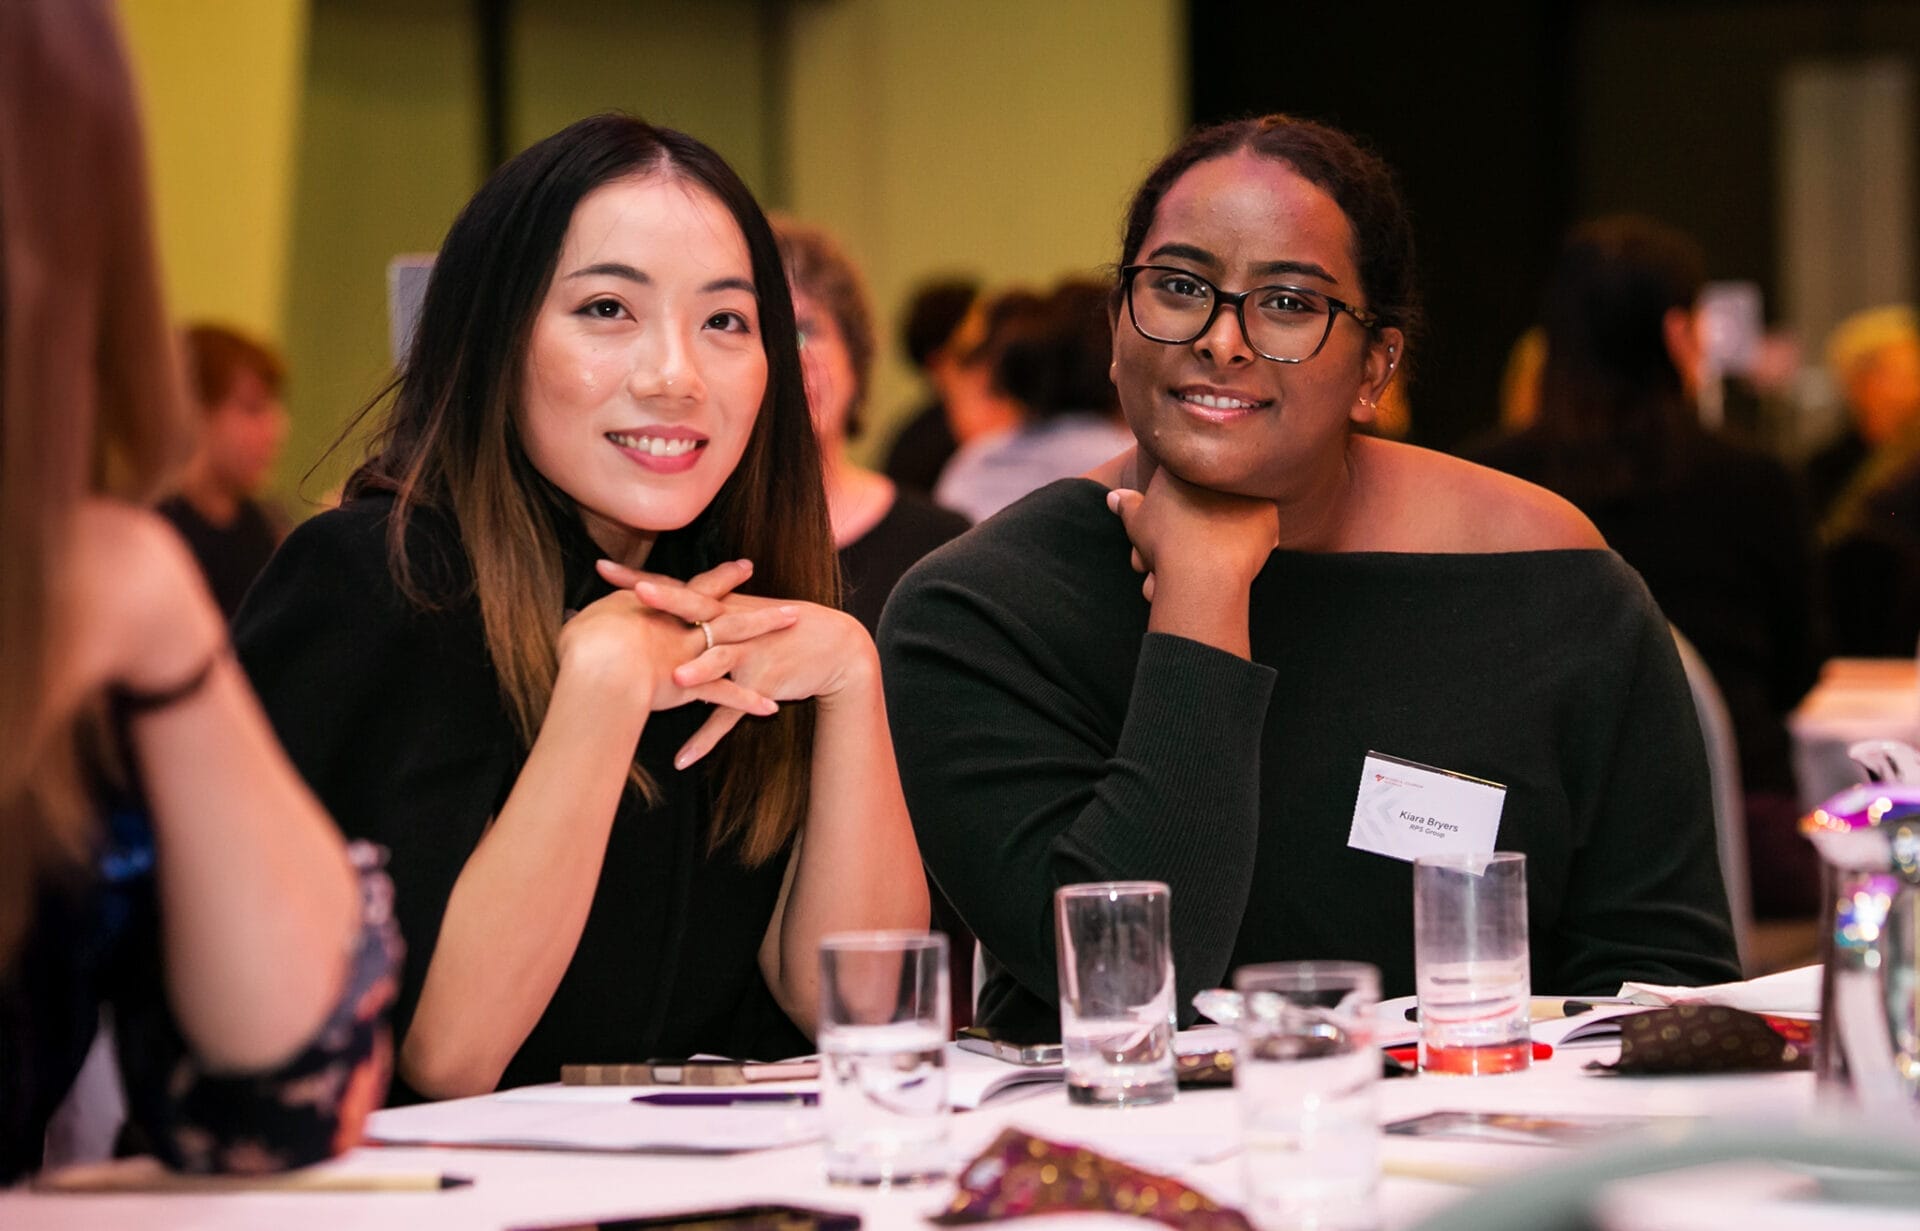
990, 1042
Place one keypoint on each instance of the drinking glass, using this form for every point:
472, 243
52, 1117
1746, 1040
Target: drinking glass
883, 1060
1116, 992
1305, 1076
1470, 962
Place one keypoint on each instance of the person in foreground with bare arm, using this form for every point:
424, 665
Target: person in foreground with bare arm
1240, 657
158, 853
569, 649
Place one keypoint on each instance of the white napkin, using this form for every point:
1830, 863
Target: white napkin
1790, 991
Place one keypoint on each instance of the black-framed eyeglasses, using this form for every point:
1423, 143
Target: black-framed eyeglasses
1287, 324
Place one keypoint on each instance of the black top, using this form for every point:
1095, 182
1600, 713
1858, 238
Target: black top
232, 555
1831, 468
872, 563
1873, 571
1045, 738
920, 450
1727, 550
395, 717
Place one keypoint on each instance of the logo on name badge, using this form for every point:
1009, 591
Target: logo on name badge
1405, 810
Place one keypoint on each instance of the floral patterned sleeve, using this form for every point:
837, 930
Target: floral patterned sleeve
308, 1109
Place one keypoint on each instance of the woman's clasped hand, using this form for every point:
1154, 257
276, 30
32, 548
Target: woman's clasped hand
762, 651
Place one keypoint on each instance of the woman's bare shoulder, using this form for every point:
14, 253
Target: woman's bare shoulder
1446, 504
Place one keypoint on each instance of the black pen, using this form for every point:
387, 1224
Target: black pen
727, 1098
1568, 1008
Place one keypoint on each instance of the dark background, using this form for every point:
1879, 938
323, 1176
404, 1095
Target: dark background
1508, 121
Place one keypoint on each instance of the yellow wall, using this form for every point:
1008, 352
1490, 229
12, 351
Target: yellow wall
389, 151
996, 137
220, 81
701, 68
391, 148
299, 144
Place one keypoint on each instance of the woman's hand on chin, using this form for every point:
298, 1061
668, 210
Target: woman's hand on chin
632, 648
1194, 534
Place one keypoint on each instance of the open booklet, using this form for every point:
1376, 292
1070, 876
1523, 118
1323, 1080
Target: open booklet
606, 1119
1562, 1020
1790, 993
973, 1078
594, 1119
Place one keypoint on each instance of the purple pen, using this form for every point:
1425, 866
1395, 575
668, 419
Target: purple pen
726, 1098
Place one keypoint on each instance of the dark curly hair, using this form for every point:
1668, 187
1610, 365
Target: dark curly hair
1357, 179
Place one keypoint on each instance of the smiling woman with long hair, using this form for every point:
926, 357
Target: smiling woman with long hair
568, 648
1312, 597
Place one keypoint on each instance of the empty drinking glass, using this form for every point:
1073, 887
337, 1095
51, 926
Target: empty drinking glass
1116, 992
1305, 1080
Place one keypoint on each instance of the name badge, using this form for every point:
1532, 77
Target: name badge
1406, 810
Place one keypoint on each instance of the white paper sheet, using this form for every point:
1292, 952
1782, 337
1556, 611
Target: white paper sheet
1790, 991
597, 1126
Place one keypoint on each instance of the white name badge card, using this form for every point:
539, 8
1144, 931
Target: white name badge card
1406, 810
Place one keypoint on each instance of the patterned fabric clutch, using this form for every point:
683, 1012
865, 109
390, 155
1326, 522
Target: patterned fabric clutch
1020, 1174
1696, 1038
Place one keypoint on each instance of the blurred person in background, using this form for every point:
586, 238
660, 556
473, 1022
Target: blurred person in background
158, 854
879, 530
1718, 530
1871, 531
1039, 395
976, 406
1520, 381
1873, 358
243, 425
921, 447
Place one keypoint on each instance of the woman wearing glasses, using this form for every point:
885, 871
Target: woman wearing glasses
1319, 633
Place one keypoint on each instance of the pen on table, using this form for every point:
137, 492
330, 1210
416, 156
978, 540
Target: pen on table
1543, 1009
1439, 1172
121, 1178
729, 1098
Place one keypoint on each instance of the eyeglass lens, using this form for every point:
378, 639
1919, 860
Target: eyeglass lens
1284, 323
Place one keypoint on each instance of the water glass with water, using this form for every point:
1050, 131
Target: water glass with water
1470, 962
1305, 1076
883, 1062
1116, 992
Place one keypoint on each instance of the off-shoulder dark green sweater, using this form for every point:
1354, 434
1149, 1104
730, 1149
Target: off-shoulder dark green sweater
1045, 737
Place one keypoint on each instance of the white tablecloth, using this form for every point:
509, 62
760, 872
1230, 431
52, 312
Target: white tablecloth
518, 1189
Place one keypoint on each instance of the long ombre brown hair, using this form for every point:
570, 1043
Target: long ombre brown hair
90, 400
448, 442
